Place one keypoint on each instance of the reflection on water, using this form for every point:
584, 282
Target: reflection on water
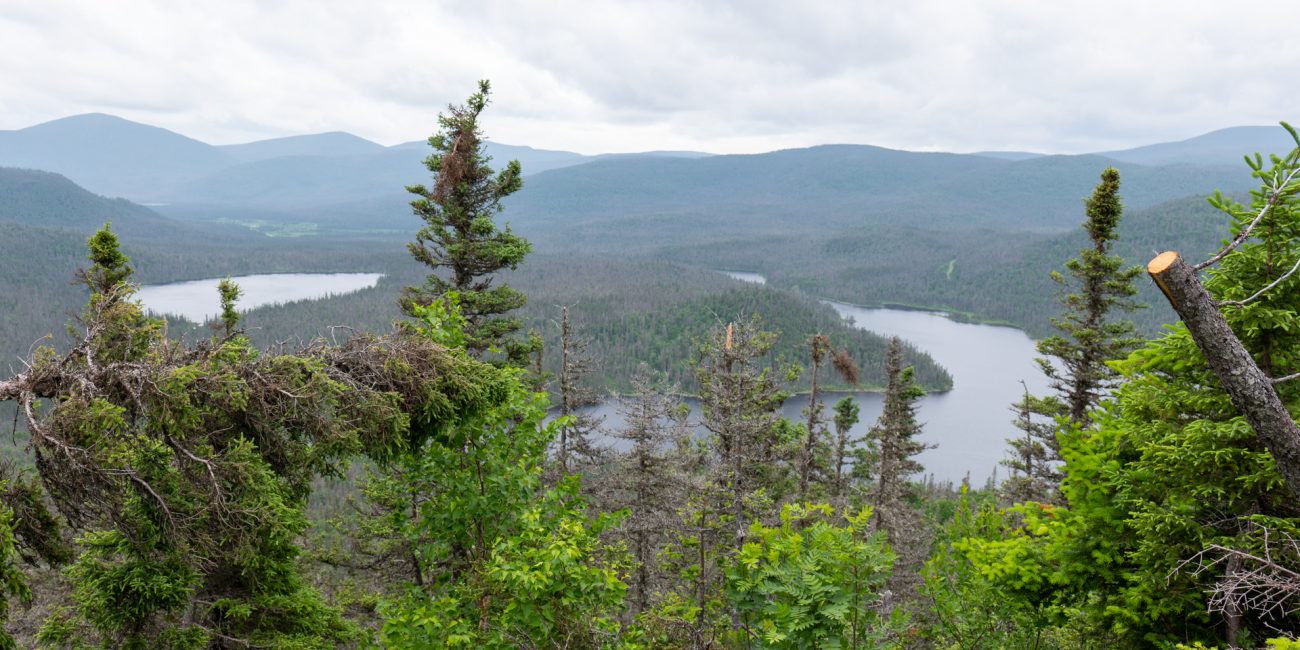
197, 300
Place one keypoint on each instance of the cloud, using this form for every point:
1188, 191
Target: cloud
616, 76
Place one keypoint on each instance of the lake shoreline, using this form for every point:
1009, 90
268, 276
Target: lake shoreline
954, 315
196, 301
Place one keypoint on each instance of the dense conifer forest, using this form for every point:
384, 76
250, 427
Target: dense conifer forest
413, 465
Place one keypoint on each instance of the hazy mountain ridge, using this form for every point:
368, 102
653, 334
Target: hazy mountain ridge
333, 143
313, 177
834, 187
1220, 147
113, 156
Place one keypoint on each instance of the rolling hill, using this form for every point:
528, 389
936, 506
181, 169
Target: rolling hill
799, 193
334, 143
1221, 147
38, 198
111, 156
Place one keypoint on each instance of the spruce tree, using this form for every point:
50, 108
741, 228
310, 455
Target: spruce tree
895, 435
1098, 284
1035, 475
741, 402
1075, 362
749, 465
846, 415
460, 241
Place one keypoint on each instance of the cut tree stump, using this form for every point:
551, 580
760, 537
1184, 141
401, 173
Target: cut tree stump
1249, 388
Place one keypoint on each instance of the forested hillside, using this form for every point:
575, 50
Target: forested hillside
644, 311
987, 275
634, 312
833, 187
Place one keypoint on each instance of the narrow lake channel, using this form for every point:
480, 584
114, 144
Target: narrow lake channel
969, 424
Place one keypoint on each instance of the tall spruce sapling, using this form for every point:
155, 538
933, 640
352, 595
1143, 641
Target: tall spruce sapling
1075, 359
894, 435
458, 304
894, 438
1098, 285
847, 413
460, 241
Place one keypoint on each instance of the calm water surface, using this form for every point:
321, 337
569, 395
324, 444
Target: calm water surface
197, 300
970, 423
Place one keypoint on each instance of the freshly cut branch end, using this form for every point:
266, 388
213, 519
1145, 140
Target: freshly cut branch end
1158, 266
1161, 263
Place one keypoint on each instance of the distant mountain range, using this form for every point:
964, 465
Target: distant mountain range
112, 156
1225, 146
346, 183
802, 191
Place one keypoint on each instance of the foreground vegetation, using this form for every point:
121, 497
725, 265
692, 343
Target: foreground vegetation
170, 496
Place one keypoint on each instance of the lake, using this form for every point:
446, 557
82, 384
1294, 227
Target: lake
970, 423
197, 300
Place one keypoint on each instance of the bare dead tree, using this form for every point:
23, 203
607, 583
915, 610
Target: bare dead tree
649, 476
575, 446
815, 426
814, 452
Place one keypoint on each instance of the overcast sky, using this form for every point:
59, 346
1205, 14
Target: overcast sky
720, 76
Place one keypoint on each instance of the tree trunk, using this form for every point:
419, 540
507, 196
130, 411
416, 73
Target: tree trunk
1250, 390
